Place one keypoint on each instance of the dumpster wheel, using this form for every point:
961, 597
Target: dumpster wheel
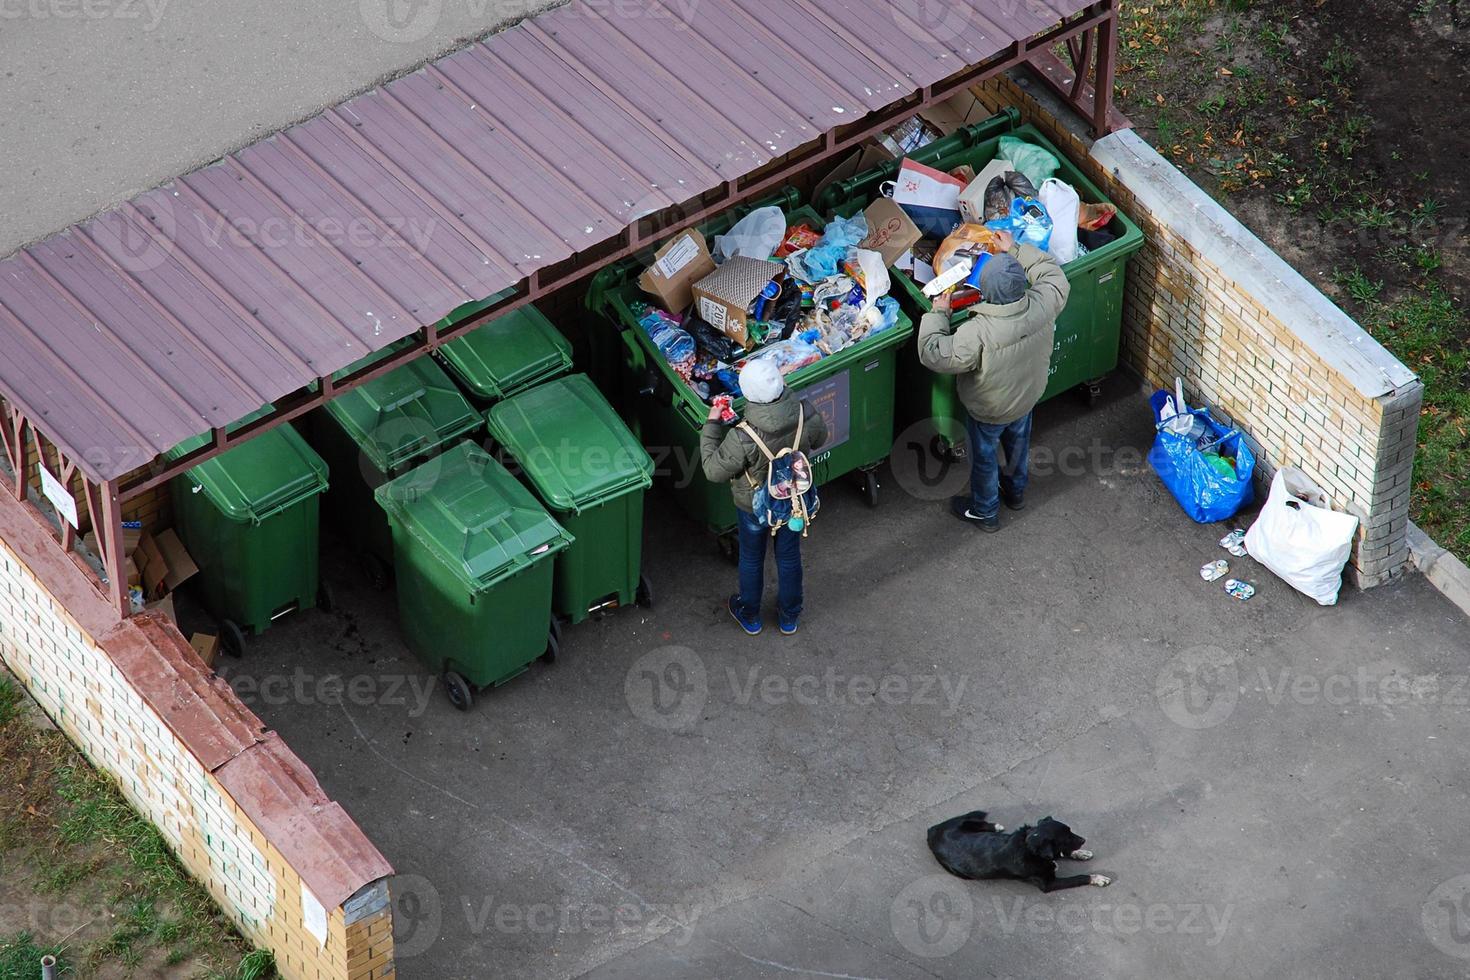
729, 548
232, 638
326, 597
869, 486
461, 695
1092, 391
644, 596
553, 642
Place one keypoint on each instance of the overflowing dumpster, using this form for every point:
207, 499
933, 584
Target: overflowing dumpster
852, 387
1088, 330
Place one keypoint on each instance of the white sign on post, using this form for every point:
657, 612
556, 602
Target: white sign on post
60, 497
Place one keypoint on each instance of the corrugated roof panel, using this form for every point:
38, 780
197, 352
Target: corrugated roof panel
232, 268
157, 348
196, 303
330, 149
296, 250
501, 157
181, 299
359, 240
42, 320
440, 174
595, 118
723, 147
688, 58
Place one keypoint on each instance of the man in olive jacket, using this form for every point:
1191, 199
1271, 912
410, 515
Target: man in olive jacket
728, 454
1002, 356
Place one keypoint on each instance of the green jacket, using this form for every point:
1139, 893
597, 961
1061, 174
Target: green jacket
1002, 353
727, 454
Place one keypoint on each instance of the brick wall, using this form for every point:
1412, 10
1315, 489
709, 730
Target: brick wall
1209, 302
243, 814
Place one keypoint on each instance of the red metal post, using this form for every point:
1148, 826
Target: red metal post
1107, 56
110, 538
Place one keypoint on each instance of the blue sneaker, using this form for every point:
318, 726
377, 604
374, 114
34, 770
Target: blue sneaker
788, 624
751, 624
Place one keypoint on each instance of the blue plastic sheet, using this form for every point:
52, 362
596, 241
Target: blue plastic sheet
1205, 493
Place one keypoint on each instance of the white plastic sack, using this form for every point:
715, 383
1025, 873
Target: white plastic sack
1300, 539
757, 235
876, 281
1062, 203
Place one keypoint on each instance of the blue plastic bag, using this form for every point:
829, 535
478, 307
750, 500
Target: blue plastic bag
1028, 222
1205, 493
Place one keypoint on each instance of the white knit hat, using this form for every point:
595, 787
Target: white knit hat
761, 381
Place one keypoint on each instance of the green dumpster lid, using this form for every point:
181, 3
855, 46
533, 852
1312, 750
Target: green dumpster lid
257, 478
467, 510
573, 446
408, 412
508, 354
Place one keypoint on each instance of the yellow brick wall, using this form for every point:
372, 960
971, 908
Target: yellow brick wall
83, 691
1184, 317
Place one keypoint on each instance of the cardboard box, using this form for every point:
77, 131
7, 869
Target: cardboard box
206, 646
683, 261
890, 230
724, 296
165, 606
163, 563
132, 535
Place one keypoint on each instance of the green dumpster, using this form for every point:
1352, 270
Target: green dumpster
853, 389
1086, 347
590, 471
505, 356
473, 552
249, 519
377, 431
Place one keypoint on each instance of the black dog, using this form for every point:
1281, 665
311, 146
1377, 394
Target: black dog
972, 847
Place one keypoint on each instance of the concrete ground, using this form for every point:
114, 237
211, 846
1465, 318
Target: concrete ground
103, 99
1278, 789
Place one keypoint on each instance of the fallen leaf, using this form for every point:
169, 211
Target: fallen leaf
1226, 71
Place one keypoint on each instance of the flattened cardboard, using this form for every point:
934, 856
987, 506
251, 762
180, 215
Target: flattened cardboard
723, 296
682, 262
164, 606
152, 565
181, 567
891, 232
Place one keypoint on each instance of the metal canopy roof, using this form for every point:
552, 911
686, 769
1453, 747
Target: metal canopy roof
194, 304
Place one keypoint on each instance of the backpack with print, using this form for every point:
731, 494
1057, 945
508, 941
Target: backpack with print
788, 498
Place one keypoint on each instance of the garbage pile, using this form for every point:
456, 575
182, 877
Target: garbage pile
768, 289
958, 214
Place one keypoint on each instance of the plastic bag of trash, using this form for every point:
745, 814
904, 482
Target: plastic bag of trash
757, 235
1028, 223
1005, 189
1037, 164
1062, 204
1206, 494
1300, 538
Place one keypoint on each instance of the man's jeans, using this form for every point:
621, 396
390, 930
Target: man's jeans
988, 479
753, 538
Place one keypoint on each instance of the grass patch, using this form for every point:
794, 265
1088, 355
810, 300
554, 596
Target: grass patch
1258, 102
1424, 327
69, 826
20, 958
